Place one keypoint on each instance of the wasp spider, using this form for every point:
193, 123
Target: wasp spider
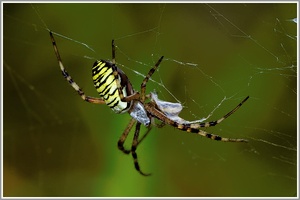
116, 91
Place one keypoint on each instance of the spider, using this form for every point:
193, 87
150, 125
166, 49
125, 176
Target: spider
116, 91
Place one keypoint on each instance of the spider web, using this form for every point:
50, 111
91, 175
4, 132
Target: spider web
215, 55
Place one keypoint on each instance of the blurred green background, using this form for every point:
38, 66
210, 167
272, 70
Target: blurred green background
54, 144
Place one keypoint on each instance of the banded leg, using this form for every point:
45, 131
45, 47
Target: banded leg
128, 98
217, 137
133, 149
214, 123
149, 73
125, 134
194, 128
115, 72
146, 79
113, 49
69, 78
144, 136
188, 128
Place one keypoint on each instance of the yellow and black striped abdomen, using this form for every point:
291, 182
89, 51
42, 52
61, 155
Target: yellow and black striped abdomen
106, 85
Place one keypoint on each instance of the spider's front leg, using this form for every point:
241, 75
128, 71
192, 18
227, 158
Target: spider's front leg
216, 122
146, 79
69, 78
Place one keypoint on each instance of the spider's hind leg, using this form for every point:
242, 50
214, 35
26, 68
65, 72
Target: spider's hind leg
124, 136
134, 147
135, 143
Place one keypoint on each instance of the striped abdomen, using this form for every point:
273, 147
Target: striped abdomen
106, 85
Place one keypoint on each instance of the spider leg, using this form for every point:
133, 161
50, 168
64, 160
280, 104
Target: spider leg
189, 128
134, 147
128, 98
160, 125
194, 128
214, 123
135, 143
69, 78
113, 49
146, 79
124, 136
215, 137
145, 135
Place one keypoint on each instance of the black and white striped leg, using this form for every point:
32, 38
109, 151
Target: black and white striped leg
69, 78
146, 79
